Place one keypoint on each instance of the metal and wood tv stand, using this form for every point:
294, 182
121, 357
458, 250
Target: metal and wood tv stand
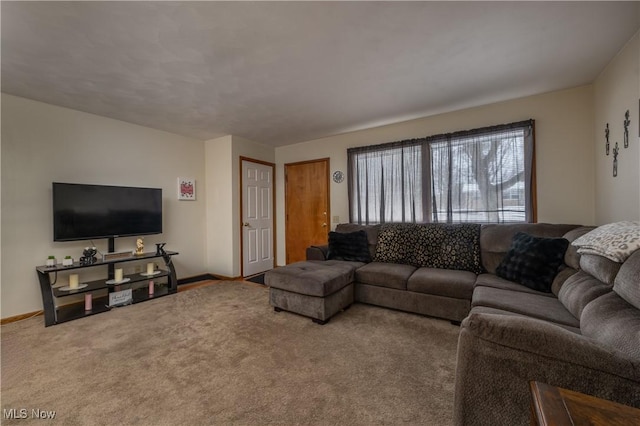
54, 314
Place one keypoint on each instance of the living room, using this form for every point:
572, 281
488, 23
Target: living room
45, 141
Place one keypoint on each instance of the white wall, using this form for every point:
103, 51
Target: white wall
616, 90
218, 154
564, 152
42, 143
223, 199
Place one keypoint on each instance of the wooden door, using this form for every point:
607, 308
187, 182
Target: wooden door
306, 206
257, 217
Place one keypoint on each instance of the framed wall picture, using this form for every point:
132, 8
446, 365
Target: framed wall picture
186, 189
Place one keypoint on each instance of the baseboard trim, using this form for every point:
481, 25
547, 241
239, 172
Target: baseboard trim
201, 277
20, 317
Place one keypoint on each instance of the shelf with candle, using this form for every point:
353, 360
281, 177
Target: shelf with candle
55, 312
102, 284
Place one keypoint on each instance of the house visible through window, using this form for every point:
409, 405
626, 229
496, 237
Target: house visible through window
482, 175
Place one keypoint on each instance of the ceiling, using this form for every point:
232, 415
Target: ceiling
285, 72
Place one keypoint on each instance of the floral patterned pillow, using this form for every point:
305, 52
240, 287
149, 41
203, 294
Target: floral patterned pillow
432, 245
615, 241
449, 246
396, 243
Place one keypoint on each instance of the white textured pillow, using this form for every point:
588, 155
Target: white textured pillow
615, 241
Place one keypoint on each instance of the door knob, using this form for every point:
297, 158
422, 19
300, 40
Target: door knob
246, 224
324, 225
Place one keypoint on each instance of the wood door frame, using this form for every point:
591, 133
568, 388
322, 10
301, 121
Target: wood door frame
273, 209
328, 177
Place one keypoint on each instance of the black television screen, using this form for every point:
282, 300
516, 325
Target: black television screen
83, 212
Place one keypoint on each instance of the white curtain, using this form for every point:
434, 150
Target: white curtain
480, 176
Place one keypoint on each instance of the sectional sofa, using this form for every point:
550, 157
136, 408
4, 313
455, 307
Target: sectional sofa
581, 331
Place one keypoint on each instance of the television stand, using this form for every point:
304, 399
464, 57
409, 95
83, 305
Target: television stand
54, 314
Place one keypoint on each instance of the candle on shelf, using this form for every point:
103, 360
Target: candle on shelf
150, 268
87, 302
118, 275
73, 281
151, 289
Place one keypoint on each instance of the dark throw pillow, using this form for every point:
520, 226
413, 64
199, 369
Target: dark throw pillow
397, 243
352, 246
533, 261
449, 246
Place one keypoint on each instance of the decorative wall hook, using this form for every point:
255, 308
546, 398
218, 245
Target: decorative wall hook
626, 129
615, 160
606, 135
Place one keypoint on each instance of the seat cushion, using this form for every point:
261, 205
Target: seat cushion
313, 278
389, 275
494, 311
532, 305
494, 281
442, 282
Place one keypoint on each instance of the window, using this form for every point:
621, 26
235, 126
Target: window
483, 175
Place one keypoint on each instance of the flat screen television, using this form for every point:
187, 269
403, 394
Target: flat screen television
85, 212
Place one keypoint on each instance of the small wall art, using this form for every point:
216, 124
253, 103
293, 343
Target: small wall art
606, 135
626, 129
186, 189
615, 160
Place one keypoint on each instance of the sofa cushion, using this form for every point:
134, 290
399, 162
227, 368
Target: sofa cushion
532, 305
615, 241
442, 282
494, 311
572, 257
627, 283
448, 246
580, 289
495, 239
613, 322
533, 261
600, 267
564, 272
494, 281
390, 275
351, 246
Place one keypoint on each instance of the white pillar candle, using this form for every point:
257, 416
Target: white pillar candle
87, 302
73, 281
118, 276
150, 268
151, 289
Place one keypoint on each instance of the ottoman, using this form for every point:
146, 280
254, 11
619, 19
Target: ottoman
316, 289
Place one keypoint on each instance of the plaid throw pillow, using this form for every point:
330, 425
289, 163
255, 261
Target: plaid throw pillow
533, 261
351, 246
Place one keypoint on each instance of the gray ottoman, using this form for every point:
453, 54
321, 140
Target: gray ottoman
316, 289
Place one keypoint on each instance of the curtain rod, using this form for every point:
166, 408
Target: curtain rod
461, 133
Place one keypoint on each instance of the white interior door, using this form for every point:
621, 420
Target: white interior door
257, 218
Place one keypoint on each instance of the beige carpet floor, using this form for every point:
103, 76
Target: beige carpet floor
221, 355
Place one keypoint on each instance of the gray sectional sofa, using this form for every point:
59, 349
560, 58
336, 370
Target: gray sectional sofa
584, 335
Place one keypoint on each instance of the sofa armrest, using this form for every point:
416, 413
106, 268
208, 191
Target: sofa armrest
317, 252
499, 354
